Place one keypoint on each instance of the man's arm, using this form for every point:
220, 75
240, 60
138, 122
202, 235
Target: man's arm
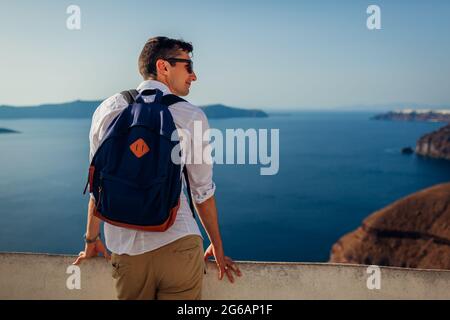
208, 216
202, 188
93, 223
92, 231
207, 212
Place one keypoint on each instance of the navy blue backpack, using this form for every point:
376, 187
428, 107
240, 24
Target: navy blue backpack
133, 179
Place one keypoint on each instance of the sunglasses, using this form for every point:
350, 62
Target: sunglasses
189, 65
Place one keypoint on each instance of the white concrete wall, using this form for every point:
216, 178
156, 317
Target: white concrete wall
41, 276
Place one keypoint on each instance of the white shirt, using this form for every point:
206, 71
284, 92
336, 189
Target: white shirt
132, 242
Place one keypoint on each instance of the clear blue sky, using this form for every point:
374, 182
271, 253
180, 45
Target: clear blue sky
271, 54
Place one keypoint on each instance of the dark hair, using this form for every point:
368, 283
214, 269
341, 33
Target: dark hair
159, 48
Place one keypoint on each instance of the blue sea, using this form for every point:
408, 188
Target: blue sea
335, 170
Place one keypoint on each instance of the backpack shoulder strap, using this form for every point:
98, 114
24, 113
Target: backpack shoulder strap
167, 100
188, 187
130, 95
170, 99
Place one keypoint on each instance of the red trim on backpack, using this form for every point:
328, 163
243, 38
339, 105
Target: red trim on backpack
91, 178
162, 227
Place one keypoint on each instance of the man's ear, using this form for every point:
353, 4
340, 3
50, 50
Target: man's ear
161, 66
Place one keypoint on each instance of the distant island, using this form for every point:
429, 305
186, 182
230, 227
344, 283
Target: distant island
416, 115
85, 109
217, 111
4, 130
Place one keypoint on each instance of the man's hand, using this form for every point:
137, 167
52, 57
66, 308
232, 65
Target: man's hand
224, 263
92, 250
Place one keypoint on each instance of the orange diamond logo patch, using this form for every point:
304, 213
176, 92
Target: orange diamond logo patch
139, 148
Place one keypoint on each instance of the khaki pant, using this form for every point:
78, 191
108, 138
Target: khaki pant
174, 271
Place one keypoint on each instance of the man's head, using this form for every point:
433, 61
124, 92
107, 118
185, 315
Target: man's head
167, 60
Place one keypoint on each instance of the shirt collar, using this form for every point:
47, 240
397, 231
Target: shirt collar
153, 84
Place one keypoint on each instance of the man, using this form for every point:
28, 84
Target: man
162, 265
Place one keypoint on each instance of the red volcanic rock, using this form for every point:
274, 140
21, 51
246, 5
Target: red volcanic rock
413, 232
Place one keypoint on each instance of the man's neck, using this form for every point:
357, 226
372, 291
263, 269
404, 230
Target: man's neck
163, 81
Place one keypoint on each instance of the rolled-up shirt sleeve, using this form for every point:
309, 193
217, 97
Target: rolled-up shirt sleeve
199, 163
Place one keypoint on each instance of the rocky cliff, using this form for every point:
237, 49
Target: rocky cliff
435, 144
413, 232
